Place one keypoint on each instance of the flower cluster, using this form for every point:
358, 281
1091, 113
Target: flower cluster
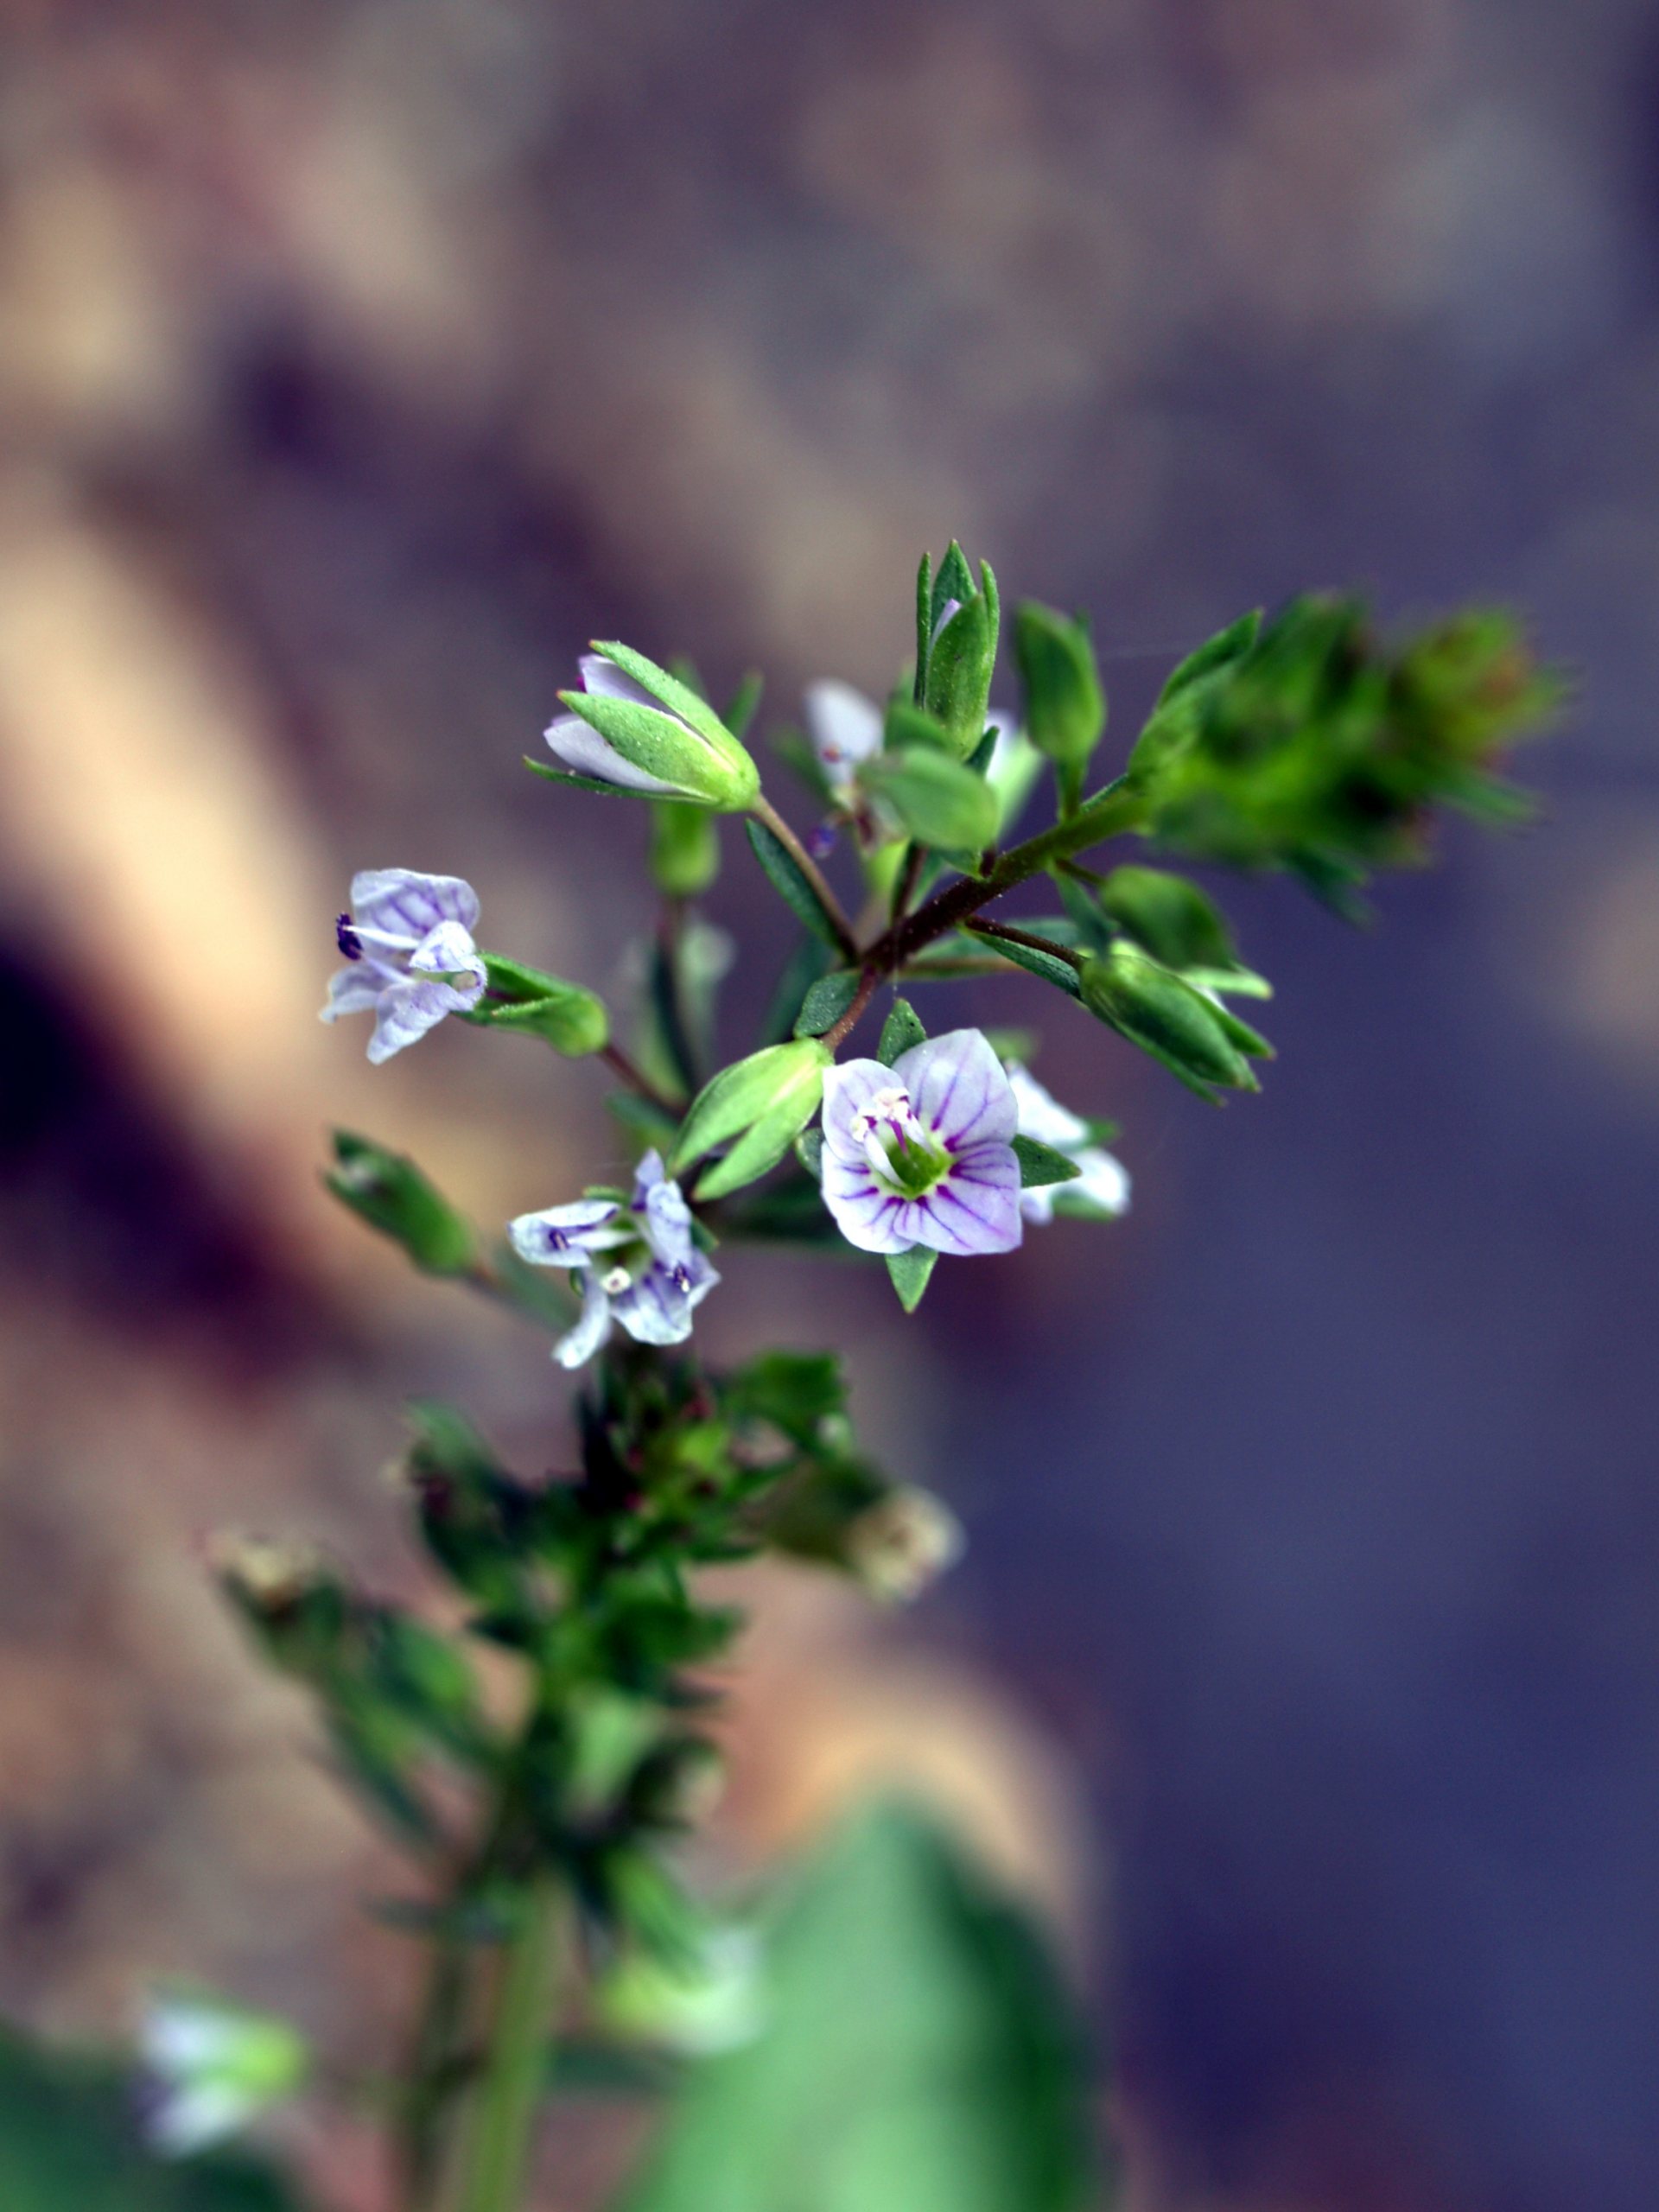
640, 1263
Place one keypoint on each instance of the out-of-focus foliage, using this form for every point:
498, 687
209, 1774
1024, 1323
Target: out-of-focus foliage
1312, 745
70, 2142
918, 2052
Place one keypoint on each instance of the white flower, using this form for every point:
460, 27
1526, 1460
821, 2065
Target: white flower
922, 1152
210, 2068
1101, 1189
640, 1265
845, 728
409, 938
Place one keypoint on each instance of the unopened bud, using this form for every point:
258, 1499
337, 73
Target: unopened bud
758, 1106
1065, 707
905, 1541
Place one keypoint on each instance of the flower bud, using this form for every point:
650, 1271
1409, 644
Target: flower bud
960, 654
899, 1546
1196, 1039
684, 849
637, 727
1065, 708
762, 1102
567, 1016
392, 1195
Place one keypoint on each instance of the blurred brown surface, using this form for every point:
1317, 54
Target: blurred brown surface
356, 363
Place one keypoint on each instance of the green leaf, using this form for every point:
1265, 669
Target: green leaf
745, 701
791, 885
391, 1194
900, 1031
825, 1003
1040, 1163
918, 2051
910, 1272
69, 2142
1229, 645
809, 1150
1049, 965
938, 801
796, 1391
1065, 707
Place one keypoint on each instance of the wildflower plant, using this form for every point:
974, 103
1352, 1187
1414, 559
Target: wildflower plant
544, 1831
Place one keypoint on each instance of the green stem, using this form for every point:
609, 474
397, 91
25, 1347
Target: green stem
1119, 807
763, 809
503, 2109
432, 2074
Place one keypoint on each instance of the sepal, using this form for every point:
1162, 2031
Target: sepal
392, 1194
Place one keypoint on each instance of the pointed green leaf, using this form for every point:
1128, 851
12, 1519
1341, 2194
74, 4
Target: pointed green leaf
825, 1003
791, 885
900, 1031
910, 1271
1039, 1164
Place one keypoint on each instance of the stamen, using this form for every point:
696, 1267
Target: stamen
346, 938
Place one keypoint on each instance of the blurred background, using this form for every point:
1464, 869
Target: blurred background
358, 362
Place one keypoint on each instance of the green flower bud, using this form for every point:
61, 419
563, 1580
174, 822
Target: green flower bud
959, 655
1065, 707
392, 1195
1171, 918
762, 1102
684, 849
635, 727
1194, 1038
567, 1016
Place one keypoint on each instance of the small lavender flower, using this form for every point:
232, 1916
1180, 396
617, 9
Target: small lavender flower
845, 728
1102, 1186
408, 939
921, 1153
640, 1264
209, 2068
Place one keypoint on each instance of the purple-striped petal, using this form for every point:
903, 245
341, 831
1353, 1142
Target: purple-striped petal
408, 905
565, 1237
577, 1346
960, 1089
407, 1010
353, 990
975, 1209
866, 1215
848, 1087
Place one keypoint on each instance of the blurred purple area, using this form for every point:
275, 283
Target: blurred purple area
359, 361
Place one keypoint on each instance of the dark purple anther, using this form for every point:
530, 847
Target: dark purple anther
346, 938
680, 1276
